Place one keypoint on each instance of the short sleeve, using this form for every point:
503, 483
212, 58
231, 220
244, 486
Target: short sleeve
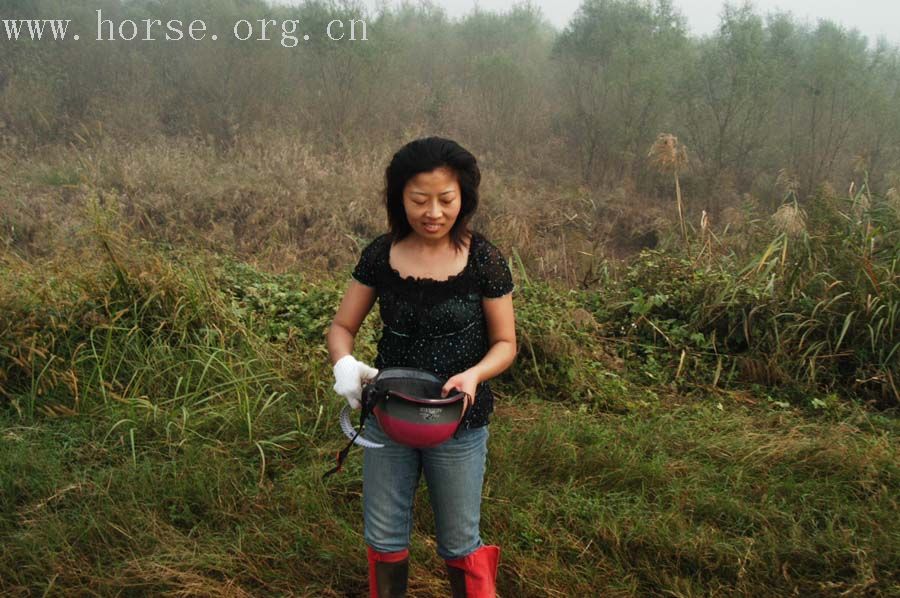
367, 266
495, 277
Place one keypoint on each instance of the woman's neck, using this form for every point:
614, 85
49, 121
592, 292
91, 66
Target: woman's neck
434, 246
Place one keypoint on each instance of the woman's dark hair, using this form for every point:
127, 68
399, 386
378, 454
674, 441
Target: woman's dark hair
425, 155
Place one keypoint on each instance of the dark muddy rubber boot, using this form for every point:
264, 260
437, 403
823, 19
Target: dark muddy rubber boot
457, 582
475, 575
388, 573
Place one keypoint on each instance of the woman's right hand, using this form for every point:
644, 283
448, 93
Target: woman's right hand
349, 375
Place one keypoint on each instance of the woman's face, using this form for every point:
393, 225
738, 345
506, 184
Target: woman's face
432, 201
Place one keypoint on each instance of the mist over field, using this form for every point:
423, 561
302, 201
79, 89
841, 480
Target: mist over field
704, 233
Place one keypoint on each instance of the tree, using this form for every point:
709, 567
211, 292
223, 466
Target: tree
727, 99
616, 63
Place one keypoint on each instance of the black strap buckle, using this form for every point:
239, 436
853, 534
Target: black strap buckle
369, 399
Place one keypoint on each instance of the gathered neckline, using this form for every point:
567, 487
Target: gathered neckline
426, 279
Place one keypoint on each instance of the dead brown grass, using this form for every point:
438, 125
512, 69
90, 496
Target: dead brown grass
287, 206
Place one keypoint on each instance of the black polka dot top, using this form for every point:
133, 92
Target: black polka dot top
437, 325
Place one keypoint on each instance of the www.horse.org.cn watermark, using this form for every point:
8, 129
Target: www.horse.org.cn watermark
151, 30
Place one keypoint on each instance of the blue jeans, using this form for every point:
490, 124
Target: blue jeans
454, 472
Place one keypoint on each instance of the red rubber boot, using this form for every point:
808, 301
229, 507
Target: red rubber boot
388, 573
475, 575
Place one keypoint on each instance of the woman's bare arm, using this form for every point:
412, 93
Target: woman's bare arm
355, 306
501, 324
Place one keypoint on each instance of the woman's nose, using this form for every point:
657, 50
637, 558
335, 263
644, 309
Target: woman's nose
434, 210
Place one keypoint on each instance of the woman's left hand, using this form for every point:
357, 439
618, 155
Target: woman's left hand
467, 382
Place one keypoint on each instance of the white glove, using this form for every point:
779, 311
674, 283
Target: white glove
349, 374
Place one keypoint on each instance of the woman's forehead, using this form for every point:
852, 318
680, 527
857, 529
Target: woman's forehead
440, 180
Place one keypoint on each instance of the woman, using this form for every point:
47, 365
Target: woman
445, 296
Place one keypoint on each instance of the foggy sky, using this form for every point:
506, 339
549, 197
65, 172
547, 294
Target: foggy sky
873, 18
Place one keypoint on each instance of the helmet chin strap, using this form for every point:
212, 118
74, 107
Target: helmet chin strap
367, 405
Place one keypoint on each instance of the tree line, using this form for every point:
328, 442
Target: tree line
763, 103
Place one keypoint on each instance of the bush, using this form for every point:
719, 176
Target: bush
818, 306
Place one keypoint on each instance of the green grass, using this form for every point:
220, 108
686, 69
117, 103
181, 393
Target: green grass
170, 438
689, 501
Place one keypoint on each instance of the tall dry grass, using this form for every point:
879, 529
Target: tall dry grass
289, 206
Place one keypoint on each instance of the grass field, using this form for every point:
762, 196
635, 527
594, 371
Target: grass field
166, 411
167, 417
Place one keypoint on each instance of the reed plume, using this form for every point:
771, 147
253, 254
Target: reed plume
669, 156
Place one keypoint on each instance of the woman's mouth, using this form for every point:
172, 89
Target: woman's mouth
432, 228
